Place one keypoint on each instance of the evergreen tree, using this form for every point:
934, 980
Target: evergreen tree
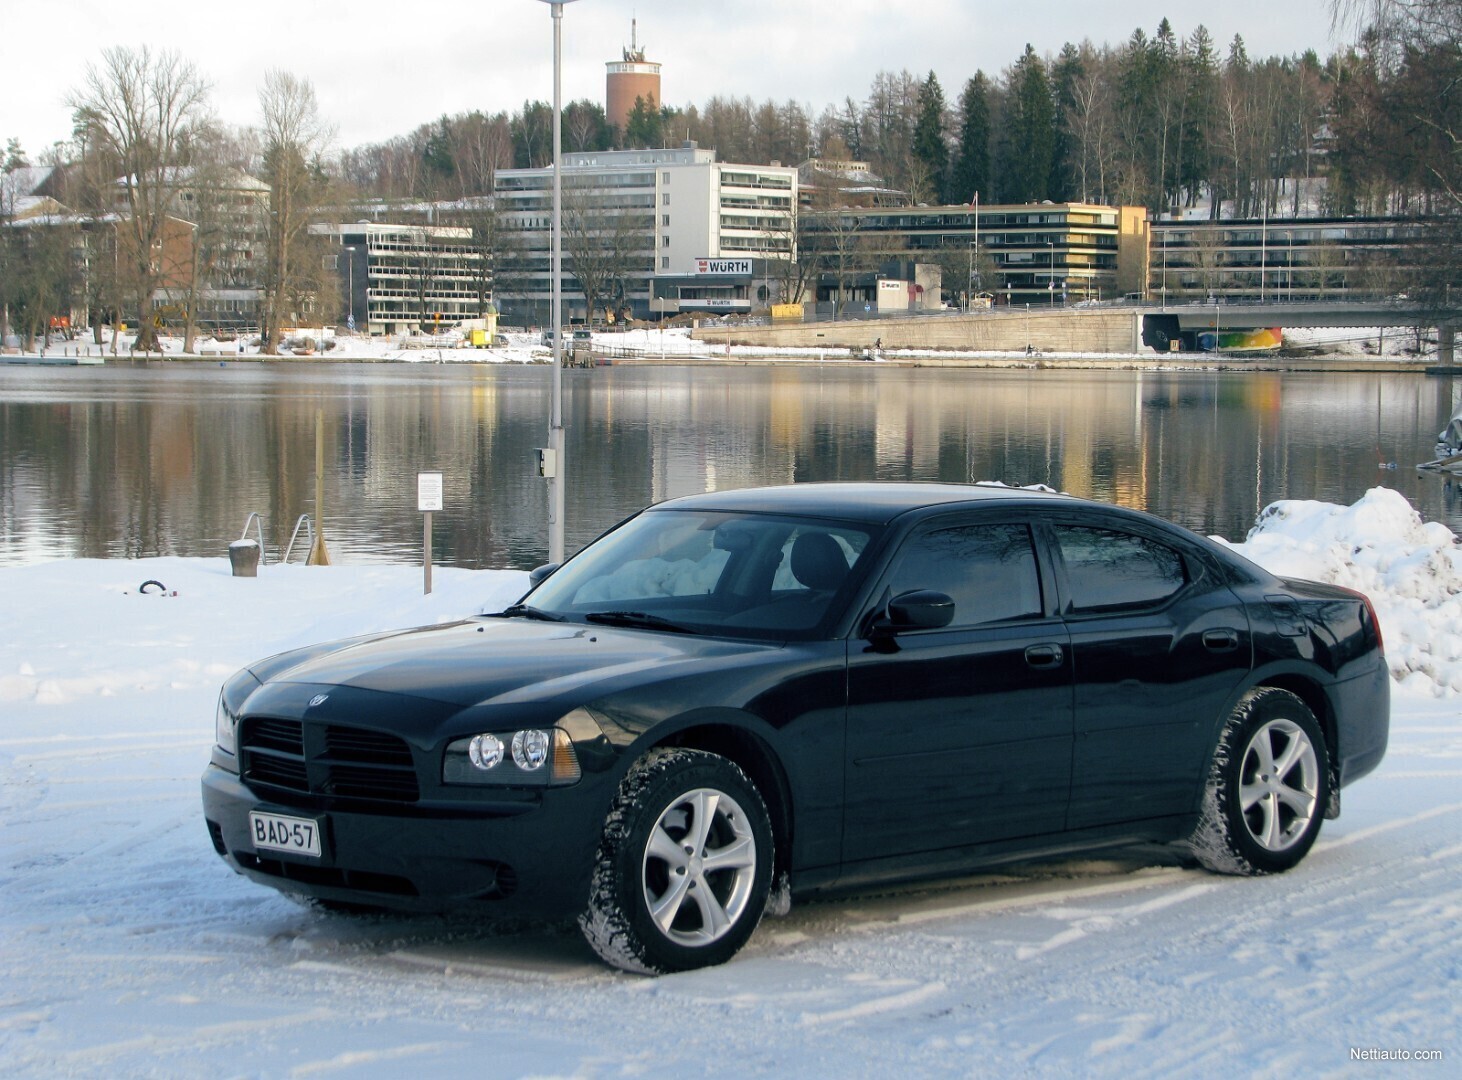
438, 159
1067, 74
971, 170
1196, 165
1138, 73
14, 156
930, 149
643, 127
1031, 132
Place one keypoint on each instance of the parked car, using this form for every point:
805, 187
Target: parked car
744, 696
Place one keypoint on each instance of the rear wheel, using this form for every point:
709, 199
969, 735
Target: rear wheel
1267, 788
684, 865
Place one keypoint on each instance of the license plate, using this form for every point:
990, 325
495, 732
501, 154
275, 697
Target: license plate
298, 836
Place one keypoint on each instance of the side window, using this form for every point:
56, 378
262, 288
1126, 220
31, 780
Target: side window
817, 560
988, 570
1106, 569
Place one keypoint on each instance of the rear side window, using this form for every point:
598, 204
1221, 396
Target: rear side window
1107, 569
988, 570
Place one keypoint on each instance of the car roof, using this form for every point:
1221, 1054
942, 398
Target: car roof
872, 503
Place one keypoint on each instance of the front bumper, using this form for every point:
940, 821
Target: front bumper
530, 857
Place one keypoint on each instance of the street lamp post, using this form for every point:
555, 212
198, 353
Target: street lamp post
1051, 273
555, 467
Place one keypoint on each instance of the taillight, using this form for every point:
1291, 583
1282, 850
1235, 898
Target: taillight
1370, 611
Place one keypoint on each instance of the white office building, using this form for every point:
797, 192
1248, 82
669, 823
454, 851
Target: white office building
405, 279
657, 232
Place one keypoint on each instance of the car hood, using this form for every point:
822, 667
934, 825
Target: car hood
497, 661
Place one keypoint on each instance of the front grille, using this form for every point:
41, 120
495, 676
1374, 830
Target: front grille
284, 736
327, 759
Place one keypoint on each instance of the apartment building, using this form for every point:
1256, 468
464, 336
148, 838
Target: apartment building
658, 231
228, 211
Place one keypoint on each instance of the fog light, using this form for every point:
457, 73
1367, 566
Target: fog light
530, 749
485, 751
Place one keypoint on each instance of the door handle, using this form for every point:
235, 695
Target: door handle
1224, 640
1044, 656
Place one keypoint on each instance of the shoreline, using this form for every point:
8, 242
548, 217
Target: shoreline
994, 361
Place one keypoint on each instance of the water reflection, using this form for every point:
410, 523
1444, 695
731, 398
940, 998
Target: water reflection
171, 458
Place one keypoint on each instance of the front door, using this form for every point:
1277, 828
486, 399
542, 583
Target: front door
960, 735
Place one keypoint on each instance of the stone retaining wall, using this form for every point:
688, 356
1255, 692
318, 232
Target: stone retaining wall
1059, 331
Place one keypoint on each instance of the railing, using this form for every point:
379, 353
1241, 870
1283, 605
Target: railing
255, 521
309, 527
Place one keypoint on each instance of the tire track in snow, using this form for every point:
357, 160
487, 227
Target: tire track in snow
875, 1006
160, 1046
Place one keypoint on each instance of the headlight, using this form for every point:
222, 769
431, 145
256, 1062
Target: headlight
530, 749
537, 757
485, 752
225, 731
230, 700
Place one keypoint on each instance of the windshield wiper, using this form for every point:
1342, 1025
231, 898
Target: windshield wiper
637, 618
526, 612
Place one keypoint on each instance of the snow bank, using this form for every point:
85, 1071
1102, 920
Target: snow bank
1411, 570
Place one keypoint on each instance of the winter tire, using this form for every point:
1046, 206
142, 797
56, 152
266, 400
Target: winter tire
1267, 789
684, 866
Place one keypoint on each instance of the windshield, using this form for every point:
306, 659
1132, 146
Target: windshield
695, 571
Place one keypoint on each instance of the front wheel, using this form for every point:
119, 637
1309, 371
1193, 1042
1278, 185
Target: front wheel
1267, 788
684, 865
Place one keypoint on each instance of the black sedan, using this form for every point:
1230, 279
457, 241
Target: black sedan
737, 697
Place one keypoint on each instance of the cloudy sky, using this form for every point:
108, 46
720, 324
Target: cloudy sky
381, 67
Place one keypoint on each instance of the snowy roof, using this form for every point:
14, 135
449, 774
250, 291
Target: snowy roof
230, 179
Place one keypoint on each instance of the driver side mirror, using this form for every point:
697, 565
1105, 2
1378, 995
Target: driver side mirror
538, 573
923, 609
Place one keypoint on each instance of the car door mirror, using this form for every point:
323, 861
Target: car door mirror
538, 573
923, 609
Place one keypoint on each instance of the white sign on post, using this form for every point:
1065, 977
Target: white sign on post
428, 499
428, 491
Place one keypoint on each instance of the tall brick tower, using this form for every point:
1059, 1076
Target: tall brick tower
627, 79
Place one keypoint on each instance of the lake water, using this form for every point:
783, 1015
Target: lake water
146, 459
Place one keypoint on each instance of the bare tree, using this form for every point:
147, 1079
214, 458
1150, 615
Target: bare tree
1090, 128
603, 246
294, 137
204, 197
843, 251
142, 107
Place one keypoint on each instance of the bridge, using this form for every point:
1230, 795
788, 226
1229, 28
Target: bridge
1190, 320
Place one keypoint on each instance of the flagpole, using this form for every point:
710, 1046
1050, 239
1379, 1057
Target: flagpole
974, 256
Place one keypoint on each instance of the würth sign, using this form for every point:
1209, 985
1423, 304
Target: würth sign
734, 267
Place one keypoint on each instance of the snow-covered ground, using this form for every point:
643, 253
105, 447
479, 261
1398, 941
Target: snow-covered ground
127, 948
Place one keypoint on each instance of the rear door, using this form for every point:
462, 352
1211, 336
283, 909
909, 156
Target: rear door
1160, 644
